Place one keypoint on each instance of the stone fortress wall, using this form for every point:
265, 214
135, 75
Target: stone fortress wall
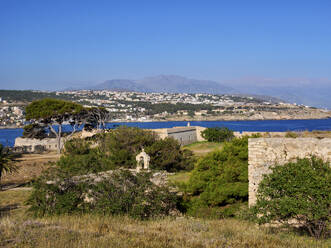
266, 152
31, 145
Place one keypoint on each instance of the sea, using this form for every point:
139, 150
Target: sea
8, 136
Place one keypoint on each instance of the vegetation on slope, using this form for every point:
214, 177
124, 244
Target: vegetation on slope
219, 179
58, 191
31, 95
217, 134
19, 230
216, 188
297, 193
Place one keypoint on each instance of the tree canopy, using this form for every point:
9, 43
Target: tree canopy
220, 178
217, 134
118, 149
51, 108
298, 191
51, 112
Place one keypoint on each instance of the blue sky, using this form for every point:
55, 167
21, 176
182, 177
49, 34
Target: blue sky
62, 43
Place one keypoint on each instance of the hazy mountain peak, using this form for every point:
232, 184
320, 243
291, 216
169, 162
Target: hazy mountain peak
312, 92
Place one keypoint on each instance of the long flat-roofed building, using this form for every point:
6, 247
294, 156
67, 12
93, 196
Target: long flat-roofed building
184, 135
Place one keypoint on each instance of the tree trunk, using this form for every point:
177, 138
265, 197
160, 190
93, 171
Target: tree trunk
58, 136
59, 145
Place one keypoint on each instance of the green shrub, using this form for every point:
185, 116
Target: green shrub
166, 154
217, 134
119, 148
81, 158
123, 144
221, 177
67, 187
81, 164
291, 135
299, 191
119, 193
76, 146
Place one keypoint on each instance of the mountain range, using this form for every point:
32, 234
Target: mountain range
165, 83
312, 92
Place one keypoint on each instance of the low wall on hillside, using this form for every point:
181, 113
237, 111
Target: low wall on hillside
49, 144
266, 152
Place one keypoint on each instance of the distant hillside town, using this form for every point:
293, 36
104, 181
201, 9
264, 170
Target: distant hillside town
137, 106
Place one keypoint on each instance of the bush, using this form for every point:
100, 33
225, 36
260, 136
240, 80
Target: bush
118, 193
76, 146
80, 158
123, 144
81, 164
119, 148
299, 191
291, 135
70, 186
221, 178
167, 155
217, 134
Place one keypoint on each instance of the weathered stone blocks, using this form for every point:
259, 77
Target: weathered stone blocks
263, 153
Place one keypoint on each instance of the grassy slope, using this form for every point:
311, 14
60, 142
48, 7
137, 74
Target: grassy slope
29, 167
203, 147
199, 149
20, 230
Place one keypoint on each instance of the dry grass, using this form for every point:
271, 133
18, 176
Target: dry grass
180, 177
97, 231
19, 230
203, 147
12, 201
316, 134
29, 167
303, 134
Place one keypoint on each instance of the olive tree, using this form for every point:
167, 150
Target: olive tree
53, 112
298, 193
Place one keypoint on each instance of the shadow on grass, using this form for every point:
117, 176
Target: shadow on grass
5, 210
8, 186
298, 231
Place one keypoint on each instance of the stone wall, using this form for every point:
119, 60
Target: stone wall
199, 130
266, 152
162, 132
49, 144
184, 135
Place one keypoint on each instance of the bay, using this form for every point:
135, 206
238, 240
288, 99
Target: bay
8, 136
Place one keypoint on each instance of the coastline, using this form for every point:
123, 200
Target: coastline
8, 134
11, 127
217, 119
196, 119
